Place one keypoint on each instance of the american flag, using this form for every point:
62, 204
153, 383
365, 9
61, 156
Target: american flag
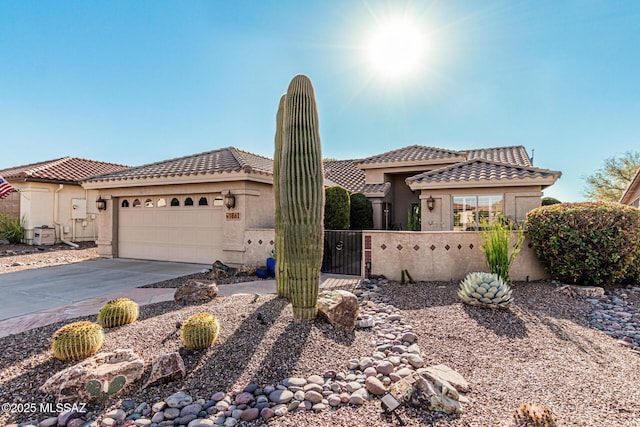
5, 188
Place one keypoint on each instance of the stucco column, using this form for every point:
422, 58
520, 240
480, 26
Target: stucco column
107, 241
234, 222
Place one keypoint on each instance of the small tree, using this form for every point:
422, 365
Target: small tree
336, 208
548, 201
496, 242
608, 183
361, 212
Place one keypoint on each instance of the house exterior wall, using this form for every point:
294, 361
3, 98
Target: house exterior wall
633, 196
439, 256
52, 205
403, 198
10, 205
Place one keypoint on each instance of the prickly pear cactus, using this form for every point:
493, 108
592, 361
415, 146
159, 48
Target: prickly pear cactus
485, 290
77, 340
97, 390
117, 312
200, 331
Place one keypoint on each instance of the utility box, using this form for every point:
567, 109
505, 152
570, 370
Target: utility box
44, 236
78, 208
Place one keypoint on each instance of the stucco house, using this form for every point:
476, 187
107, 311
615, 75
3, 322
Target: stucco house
631, 196
50, 195
219, 204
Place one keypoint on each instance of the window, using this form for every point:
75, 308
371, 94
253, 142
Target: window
203, 202
125, 204
218, 201
136, 203
161, 202
148, 203
175, 202
188, 201
470, 211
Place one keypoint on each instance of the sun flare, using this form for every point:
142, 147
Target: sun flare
396, 49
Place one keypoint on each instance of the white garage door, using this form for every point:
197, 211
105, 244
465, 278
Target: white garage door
171, 228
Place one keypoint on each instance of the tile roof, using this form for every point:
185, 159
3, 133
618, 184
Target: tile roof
514, 155
376, 189
62, 170
481, 170
414, 153
228, 159
344, 173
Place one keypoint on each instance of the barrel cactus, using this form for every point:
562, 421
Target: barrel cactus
485, 290
200, 331
534, 415
117, 312
301, 196
77, 340
282, 287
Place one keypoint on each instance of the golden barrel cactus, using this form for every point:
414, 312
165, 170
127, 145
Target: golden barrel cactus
77, 340
117, 312
485, 290
200, 331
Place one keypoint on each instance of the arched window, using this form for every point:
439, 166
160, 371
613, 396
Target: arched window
175, 202
148, 203
137, 203
203, 202
162, 202
188, 201
125, 203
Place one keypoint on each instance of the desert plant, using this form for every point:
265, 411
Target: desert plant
361, 212
337, 207
103, 393
496, 241
117, 312
534, 415
77, 340
282, 287
413, 218
11, 228
200, 331
302, 196
485, 290
586, 243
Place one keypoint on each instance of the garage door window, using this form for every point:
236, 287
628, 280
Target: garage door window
188, 201
161, 202
203, 202
218, 201
125, 204
175, 202
148, 203
137, 203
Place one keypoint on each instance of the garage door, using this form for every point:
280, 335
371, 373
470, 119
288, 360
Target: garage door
171, 228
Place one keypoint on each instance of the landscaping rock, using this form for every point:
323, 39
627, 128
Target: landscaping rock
445, 373
166, 368
196, 292
339, 308
424, 392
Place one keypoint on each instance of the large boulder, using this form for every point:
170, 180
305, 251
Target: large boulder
70, 383
196, 292
168, 367
423, 390
339, 307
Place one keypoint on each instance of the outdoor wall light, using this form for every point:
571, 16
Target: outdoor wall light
229, 200
389, 404
430, 203
101, 204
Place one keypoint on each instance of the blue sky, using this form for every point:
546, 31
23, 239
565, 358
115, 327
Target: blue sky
135, 82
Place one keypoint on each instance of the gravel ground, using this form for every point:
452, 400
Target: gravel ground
23, 257
541, 351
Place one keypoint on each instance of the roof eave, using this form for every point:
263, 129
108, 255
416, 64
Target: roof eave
410, 163
485, 183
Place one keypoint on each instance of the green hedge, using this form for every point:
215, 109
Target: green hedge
336, 208
361, 212
587, 243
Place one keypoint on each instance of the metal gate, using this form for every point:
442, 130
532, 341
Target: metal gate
342, 252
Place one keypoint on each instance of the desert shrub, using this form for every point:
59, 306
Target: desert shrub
336, 208
11, 228
547, 201
361, 212
496, 242
586, 243
413, 218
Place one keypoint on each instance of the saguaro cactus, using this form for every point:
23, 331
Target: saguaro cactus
282, 286
302, 196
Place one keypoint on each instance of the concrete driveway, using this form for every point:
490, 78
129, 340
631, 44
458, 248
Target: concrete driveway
29, 291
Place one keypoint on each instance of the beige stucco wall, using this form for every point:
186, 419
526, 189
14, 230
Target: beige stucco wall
427, 258
52, 205
10, 205
258, 243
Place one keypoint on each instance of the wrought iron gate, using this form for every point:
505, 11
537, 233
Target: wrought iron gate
342, 252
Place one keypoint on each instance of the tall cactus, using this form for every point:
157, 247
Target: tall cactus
302, 196
282, 286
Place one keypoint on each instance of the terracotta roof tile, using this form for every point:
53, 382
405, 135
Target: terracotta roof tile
515, 155
479, 170
62, 170
228, 159
413, 153
376, 188
344, 173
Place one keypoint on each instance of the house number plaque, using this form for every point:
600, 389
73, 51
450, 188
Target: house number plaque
233, 215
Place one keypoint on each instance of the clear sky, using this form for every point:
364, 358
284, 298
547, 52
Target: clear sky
136, 82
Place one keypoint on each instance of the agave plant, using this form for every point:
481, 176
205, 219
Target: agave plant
485, 290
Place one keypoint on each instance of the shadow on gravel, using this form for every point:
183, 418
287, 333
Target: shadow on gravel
414, 296
505, 323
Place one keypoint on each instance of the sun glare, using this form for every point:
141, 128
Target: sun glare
396, 49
